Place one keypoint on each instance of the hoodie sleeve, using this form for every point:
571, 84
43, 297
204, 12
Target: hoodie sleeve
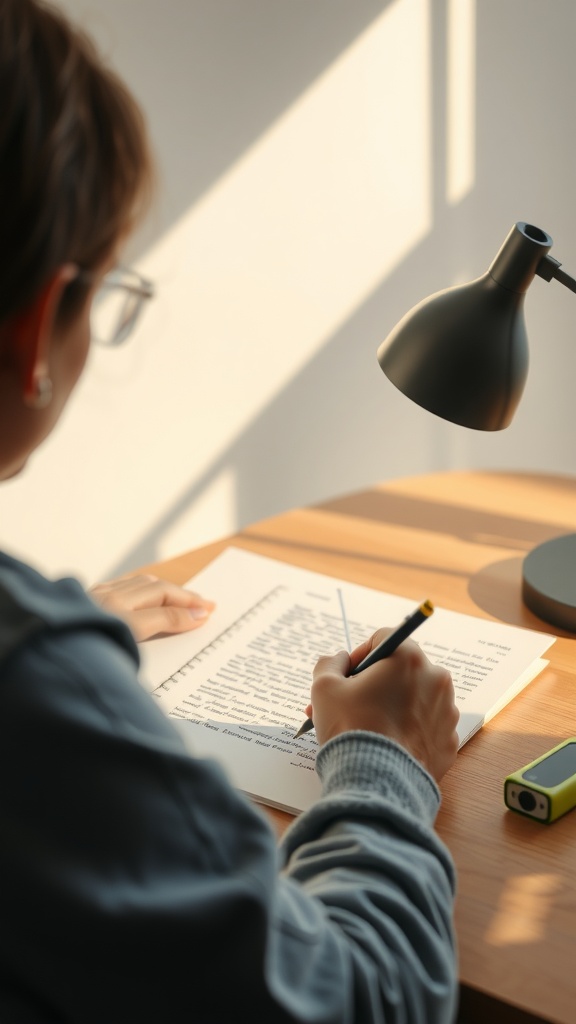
138, 885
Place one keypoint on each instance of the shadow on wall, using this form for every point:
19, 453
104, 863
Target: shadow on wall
308, 435
310, 429
235, 68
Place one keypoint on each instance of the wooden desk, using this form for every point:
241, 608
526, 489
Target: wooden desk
459, 538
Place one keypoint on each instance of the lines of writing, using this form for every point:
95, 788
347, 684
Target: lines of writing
468, 669
228, 633
259, 671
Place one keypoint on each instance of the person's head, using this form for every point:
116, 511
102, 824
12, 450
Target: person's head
75, 173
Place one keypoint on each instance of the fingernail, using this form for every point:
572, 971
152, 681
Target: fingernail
198, 613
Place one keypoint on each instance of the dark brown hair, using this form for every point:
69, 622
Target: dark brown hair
75, 168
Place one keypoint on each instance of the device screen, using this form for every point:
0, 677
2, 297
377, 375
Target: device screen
553, 770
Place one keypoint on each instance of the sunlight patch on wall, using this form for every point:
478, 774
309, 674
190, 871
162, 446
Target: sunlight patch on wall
461, 99
303, 227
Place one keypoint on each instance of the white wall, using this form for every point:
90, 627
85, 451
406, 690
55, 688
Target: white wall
323, 165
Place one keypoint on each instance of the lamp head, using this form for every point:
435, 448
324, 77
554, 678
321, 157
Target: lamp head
463, 352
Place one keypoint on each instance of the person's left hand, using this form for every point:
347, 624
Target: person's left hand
150, 605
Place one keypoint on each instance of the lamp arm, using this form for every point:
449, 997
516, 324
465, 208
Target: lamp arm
549, 268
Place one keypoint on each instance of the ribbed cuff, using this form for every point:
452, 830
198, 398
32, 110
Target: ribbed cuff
366, 762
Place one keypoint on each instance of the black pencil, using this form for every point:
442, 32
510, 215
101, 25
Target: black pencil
385, 648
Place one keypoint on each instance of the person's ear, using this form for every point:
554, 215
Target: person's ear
32, 332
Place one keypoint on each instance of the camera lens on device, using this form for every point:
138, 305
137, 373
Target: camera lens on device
527, 800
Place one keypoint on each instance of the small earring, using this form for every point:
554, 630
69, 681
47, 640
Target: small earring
42, 395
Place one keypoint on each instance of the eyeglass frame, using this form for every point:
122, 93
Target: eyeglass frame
140, 286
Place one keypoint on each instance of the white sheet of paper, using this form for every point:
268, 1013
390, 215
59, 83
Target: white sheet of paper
240, 683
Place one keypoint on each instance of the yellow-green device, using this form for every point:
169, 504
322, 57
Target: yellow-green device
545, 788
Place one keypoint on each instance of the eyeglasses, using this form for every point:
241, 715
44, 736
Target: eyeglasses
117, 305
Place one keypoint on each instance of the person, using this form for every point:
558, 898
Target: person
136, 884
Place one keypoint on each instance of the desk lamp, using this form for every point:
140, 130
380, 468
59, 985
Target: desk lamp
463, 355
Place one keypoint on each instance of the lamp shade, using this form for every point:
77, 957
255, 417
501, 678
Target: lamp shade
463, 352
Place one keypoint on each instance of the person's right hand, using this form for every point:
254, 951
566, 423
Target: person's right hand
403, 697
